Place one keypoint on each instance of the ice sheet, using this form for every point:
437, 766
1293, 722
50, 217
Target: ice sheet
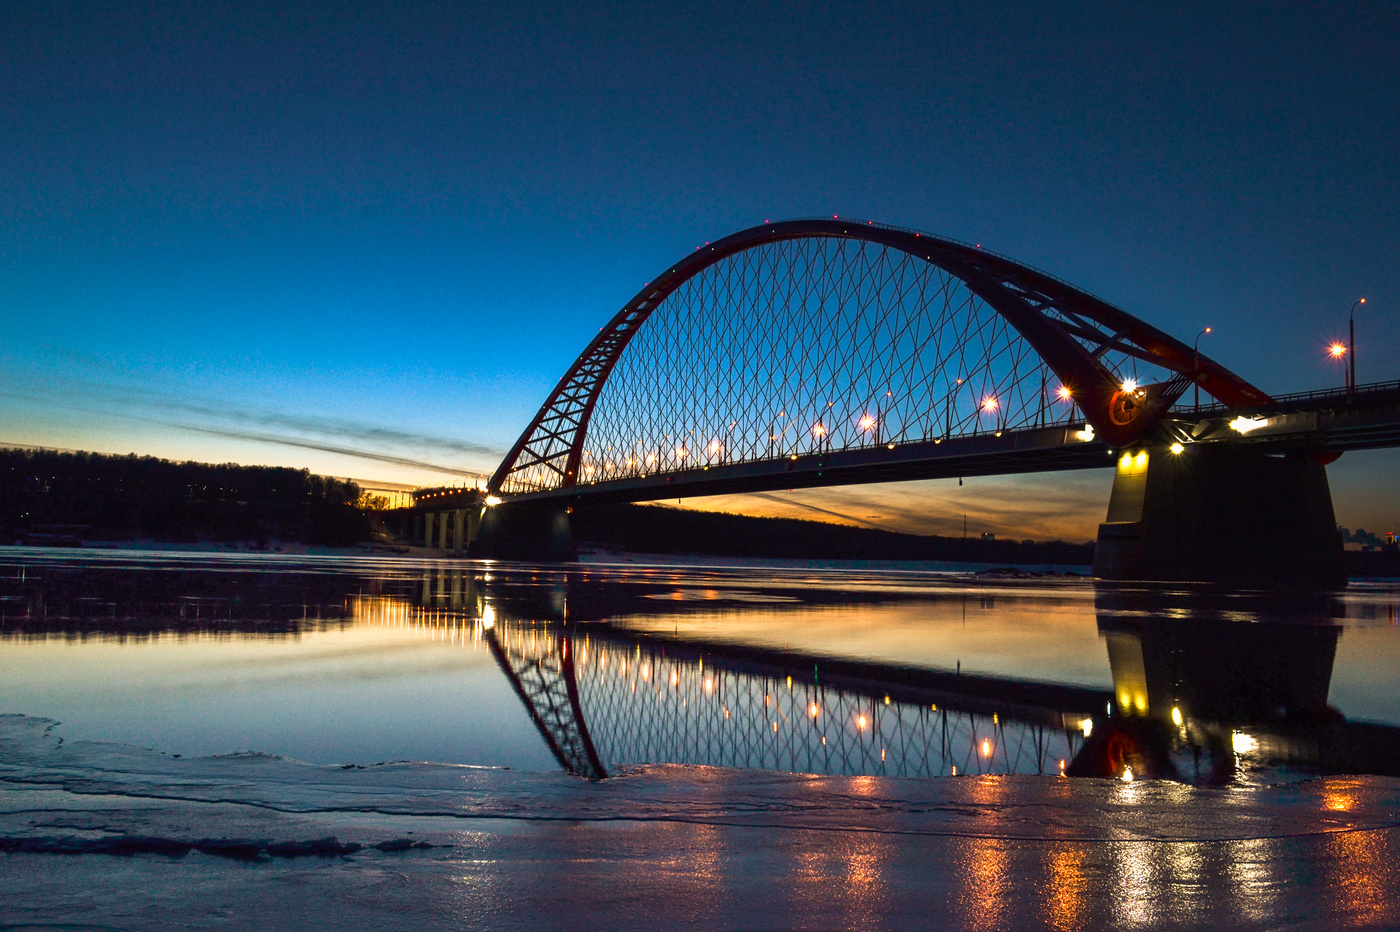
259, 839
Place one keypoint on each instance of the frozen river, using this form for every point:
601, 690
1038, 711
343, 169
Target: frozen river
604, 746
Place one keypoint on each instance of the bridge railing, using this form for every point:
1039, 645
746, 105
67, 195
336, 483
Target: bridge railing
1340, 394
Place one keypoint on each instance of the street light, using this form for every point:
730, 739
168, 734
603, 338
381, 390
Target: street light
1351, 343
1338, 351
1196, 373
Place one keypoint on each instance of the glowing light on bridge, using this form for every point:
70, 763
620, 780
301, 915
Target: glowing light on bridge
867, 422
819, 430
1245, 424
986, 748
1064, 394
990, 404
492, 501
1337, 350
1177, 448
1130, 386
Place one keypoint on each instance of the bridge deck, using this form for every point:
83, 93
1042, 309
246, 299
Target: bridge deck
1311, 422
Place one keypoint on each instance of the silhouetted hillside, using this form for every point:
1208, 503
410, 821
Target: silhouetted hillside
658, 529
45, 495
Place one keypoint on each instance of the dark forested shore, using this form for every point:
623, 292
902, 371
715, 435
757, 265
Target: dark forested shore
48, 496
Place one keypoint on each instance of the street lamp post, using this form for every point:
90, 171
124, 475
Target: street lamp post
1351, 344
1196, 372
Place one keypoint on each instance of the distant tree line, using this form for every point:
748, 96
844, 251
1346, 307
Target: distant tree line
658, 529
1361, 536
126, 497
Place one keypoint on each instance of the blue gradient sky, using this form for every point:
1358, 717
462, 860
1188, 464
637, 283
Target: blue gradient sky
268, 233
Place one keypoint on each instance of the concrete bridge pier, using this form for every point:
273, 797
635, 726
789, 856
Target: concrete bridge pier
532, 533
1218, 514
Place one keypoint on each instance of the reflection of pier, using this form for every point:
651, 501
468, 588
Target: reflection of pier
1205, 700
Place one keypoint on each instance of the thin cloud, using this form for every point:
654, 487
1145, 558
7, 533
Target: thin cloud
331, 448
278, 439
807, 506
302, 424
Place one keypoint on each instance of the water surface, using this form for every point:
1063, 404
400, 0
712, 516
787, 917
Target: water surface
592, 668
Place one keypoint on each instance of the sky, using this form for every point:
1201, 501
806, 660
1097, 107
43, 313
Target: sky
367, 239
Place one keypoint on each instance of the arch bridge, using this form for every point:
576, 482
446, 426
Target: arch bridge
833, 351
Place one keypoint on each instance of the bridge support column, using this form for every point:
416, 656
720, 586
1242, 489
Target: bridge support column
459, 531
1221, 515
538, 534
427, 529
442, 531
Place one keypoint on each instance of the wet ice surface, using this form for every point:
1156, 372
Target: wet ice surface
667, 846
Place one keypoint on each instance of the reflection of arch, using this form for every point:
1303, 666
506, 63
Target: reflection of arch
544, 680
614, 698
828, 305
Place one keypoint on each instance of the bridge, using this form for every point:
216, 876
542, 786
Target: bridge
831, 351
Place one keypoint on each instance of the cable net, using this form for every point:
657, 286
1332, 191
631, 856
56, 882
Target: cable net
808, 346
805, 346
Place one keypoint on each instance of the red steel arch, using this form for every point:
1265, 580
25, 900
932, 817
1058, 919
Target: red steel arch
1069, 328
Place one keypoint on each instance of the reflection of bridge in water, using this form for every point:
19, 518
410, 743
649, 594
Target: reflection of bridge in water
605, 698
1201, 697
